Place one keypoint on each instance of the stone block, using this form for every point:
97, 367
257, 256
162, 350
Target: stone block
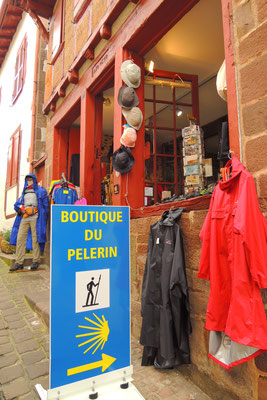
38, 369
133, 257
195, 284
7, 360
11, 373
255, 117
6, 305
22, 335
6, 348
256, 150
253, 82
28, 397
33, 357
199, 343
243, 19
253, 45
261, 7
262, 388
44, 381
262, 182
16, 324
15, 389
4, 339
29, 345
198, 303
13, 317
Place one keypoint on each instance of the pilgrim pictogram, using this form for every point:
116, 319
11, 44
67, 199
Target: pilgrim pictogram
92, 293
92, 290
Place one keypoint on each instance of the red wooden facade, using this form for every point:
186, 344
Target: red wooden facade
139, 33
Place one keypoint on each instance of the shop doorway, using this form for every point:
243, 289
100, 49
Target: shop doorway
106, 148
193, 47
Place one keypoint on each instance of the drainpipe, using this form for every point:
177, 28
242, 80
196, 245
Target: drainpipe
37, 43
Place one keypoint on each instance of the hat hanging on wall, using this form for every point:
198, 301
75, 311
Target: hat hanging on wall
131, 74
221, 83
127, 97
122, 160
128, 137
134, 117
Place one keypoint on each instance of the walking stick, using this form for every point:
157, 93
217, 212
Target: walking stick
97, 288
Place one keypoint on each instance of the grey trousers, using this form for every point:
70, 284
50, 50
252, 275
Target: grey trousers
22, 239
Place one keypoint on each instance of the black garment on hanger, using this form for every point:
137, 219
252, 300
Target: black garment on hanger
75, 169
224, 143
165, 303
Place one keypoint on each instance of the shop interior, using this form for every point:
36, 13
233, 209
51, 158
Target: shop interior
194, 46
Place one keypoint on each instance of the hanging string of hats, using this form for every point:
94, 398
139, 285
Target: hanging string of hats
122, 159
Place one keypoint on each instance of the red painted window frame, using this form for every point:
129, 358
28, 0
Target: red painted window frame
13, 159
58, 22
193, 79
20, 70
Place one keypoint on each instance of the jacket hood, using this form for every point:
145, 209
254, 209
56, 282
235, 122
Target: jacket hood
168, 217
34, 181
237, 168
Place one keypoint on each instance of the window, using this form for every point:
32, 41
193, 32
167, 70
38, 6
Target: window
58, 29
13, 157
79, 8
163, 133
20, 70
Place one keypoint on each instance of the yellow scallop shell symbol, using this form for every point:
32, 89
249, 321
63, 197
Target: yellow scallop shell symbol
99, 336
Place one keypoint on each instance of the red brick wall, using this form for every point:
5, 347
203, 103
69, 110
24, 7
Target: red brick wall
250, 33
239, 383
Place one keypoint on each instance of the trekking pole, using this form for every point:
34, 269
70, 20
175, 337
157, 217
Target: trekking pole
97, 288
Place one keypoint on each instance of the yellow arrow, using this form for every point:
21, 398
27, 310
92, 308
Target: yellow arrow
104, 363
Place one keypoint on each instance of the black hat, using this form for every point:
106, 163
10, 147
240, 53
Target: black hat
127, 97
123, 160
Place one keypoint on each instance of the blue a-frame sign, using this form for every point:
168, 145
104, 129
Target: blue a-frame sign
90, 293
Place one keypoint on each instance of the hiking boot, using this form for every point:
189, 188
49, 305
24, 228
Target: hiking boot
16, 267
35, 266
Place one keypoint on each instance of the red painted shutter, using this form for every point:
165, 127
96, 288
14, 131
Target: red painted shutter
15, 158
57, 28
16, 79
8, 170
24, 60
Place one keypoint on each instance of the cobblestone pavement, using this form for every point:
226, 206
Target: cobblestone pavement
24, 340
24, 347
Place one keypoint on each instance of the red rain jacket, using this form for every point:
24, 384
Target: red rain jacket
234, 259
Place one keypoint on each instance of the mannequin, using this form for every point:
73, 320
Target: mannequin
29, 229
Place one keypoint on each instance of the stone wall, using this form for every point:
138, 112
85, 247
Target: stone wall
250, 32
243, 381
40, 120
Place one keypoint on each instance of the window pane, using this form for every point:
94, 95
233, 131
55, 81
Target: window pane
149, 169
182, 120
164, 92
164, 115
148, 91
165, 169
164, 141
149, 138
148, 113
149, 194
179, 143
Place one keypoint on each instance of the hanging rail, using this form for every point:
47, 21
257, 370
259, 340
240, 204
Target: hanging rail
160, 82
